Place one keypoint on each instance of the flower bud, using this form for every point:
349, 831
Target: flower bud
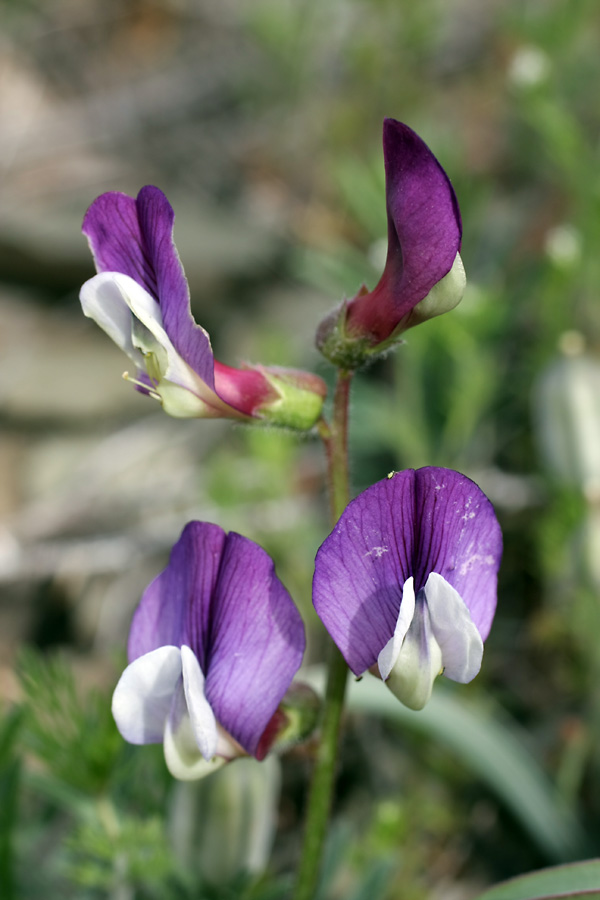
567, 416
423, 275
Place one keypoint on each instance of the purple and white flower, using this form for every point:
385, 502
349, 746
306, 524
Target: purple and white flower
140, 298
423, 275
406, 582
213, 647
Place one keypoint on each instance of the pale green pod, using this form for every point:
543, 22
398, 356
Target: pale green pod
566, 415
225, 824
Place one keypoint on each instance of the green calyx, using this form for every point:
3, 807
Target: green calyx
349, 352
352, 351
299, 401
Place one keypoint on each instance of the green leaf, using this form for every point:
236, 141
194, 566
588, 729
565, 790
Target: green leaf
10, 770
336, 849
575, 880
72, 734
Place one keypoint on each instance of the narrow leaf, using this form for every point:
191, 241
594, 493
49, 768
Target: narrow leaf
575, 880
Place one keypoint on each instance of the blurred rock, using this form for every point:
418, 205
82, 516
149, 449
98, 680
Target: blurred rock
57, 366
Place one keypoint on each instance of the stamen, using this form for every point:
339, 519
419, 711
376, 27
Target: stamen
127, 377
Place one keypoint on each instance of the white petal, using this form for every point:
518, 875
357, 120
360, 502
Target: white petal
102, 300
453, 629
419, 661
143, 696
182, 754
204, 724
227, 746
444, 295
112, 299
388, 656
182, 391
147, 311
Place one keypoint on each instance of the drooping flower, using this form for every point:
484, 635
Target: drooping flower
423, 275
213, 647
140, 298
406, 582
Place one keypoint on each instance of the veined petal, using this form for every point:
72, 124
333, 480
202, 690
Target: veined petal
143, 695
156, 219
409, 524
202, 718
182, 755
388, 656
175, 607
135, 237
112, 228
158, 620
361, 568
459, 538
257, 642
424, 233
454, 630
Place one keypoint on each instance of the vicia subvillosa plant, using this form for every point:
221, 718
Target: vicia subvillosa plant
405, 584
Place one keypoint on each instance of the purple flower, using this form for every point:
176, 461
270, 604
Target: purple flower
141, 300
406, 581
213, 647
423, 275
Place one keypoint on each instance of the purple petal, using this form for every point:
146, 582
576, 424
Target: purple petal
424, 232
113, 230
361, 568
414, 523
175, 607
135, 237
459, 537
220, 596
257, 642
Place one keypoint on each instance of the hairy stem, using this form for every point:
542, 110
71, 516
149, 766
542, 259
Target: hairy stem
335, 438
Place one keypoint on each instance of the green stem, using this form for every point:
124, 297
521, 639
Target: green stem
335, 437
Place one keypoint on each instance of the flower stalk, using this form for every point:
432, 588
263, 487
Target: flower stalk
335, 438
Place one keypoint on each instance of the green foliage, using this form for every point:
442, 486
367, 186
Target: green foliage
108, 854
10, 771
75, 737
83, 780
486, 741
575, 880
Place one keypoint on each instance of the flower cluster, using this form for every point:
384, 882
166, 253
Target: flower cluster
405, 584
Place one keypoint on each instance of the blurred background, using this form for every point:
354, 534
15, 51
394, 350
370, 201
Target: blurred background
261, 121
